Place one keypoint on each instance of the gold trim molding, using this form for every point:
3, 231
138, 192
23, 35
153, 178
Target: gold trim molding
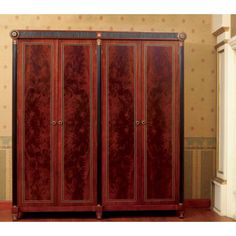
221, 30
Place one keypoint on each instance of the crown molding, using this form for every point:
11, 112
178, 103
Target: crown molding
221, 30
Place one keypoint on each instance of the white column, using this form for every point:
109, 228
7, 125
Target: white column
224, 185
231, 118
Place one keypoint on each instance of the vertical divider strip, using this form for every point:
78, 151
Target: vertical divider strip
14, 123
181, 55
99, 137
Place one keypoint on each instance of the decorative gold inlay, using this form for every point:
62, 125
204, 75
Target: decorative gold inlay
14, 34
53, 122
182, 36
60, 122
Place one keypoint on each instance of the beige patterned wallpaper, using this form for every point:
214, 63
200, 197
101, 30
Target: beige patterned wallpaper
233, 25
200, 83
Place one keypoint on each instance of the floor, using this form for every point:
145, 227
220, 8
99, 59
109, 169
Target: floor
191, 215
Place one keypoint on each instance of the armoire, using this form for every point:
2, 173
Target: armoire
97, 121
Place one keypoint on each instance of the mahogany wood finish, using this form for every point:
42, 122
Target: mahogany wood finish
36, 109
97, 121
120, 154
141, 103
160, 114
77, 111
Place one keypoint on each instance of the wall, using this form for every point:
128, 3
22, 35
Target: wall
200, 84
233, 25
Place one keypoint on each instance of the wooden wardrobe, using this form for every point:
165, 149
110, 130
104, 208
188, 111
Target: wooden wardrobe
97, 121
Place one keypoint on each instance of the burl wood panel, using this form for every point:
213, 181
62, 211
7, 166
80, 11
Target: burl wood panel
158, 113
77, 113
36, 115
119, 75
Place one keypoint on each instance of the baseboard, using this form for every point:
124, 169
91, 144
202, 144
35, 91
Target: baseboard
5, 205
197, 203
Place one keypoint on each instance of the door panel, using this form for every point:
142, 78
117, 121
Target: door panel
119, 114
36, 155
77, 134
160, 110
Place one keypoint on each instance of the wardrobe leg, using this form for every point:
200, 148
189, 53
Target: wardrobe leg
99, 212
16, 213
181, 214
181, 211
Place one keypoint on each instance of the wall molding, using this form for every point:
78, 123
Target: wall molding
5, 142
221, 43
199, 143
221, 30
189, 142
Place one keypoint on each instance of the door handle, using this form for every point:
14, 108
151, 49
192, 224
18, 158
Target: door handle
53, 122
145, 123
137, 122
60, 122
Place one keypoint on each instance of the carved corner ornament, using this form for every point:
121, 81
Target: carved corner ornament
182, 36
14, 34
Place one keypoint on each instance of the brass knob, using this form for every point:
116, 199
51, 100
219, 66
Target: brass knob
60, 122
137, 122
53, 122
146, 123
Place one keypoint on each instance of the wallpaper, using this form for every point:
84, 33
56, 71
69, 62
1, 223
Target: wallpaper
233, 25
200, 83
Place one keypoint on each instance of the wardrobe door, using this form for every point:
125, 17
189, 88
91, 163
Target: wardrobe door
161, 96
120, 111
36, 111
77, 122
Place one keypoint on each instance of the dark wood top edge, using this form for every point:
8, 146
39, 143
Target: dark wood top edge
61, 34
